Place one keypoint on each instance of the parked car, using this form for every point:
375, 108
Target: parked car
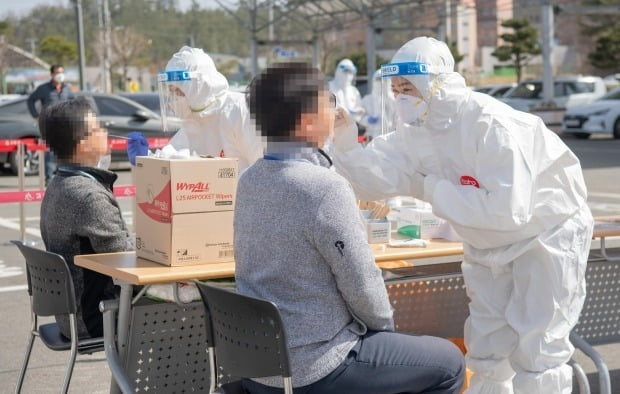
118, 114
149, 100
568, 92
495, 90
612, 81
599, 117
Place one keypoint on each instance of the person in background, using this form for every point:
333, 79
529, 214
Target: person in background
300, 243
46, 94
79, 213
214, 120
346, 93
372, 120
511, 189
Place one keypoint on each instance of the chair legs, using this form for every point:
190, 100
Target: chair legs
33, 333
22, 372
71, 363
288, 385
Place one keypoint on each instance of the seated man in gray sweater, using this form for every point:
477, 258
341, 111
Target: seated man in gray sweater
300, 243
79, 214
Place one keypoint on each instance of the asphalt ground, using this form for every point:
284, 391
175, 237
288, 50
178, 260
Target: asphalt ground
600, 158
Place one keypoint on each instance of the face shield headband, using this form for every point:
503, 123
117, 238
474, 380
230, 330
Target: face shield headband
172, 100
411, 110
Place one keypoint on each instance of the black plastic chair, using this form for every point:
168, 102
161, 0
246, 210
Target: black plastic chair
50, 287
248, 334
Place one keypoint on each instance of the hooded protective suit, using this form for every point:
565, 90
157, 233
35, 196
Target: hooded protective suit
515, 194
374, 111
347, 95
216, 121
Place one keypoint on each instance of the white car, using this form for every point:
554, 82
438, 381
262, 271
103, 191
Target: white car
599, 117
568, 92
495, 90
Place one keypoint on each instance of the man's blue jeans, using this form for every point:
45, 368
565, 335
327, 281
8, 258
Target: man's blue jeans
389, 363
50, 166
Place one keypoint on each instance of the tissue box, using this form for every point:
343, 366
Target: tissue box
378, 230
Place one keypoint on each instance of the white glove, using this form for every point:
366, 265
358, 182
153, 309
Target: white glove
345, 131
417, 185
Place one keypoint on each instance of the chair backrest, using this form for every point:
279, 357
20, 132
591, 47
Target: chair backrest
599, 322
430, 306
166, 350
248, 333
49, 281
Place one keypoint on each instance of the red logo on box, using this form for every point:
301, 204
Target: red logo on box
467, 180
158, 207
200, 187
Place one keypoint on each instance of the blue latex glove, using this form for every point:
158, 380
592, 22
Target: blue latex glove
137, 145
373, 119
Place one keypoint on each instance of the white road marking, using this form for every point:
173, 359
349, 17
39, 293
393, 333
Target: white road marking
7, 289
14, 225
7, 272
604, 206
614, 196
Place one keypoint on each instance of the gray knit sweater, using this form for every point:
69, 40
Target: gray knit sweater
79, 215
300, 243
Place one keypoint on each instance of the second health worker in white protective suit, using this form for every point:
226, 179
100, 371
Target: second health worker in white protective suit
515, 194
214, 121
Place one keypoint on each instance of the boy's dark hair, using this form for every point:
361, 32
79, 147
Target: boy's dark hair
55, 67
280, 95
63, 125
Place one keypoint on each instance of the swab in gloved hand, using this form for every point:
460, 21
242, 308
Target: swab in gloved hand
137, 145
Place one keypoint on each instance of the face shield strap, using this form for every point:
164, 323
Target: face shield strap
177, 76
412, 68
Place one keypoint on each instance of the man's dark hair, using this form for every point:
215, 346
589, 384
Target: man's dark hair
280, 95
63, 125
55, 67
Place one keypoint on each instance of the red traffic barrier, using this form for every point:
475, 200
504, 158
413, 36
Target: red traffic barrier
12, 197
33, 145
11, 145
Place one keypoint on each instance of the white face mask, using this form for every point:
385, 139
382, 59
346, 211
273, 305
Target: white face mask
411, 110
104, 162
60, 77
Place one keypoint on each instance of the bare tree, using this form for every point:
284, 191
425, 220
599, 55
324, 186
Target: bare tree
128, 48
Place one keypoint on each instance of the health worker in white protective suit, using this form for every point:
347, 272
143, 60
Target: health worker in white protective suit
213, 120
347, 95
373, 108
515, 194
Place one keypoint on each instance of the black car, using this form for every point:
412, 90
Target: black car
149, 100
118, 114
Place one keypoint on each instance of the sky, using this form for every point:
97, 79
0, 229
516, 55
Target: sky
22, 7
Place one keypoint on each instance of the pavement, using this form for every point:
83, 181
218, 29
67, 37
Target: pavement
600, 159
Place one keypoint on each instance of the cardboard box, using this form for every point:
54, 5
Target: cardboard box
184, 210
187, 239
172, 186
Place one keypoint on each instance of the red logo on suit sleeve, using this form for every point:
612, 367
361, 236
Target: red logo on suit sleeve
467, 180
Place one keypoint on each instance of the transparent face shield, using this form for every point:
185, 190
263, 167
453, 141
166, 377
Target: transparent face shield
401, 102
172, 99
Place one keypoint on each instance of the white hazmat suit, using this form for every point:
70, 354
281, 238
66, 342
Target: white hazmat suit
216, 122
375, 109
342, 87
515, 194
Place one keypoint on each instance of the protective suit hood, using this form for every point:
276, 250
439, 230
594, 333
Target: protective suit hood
444, 90
205, 93
342, 78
